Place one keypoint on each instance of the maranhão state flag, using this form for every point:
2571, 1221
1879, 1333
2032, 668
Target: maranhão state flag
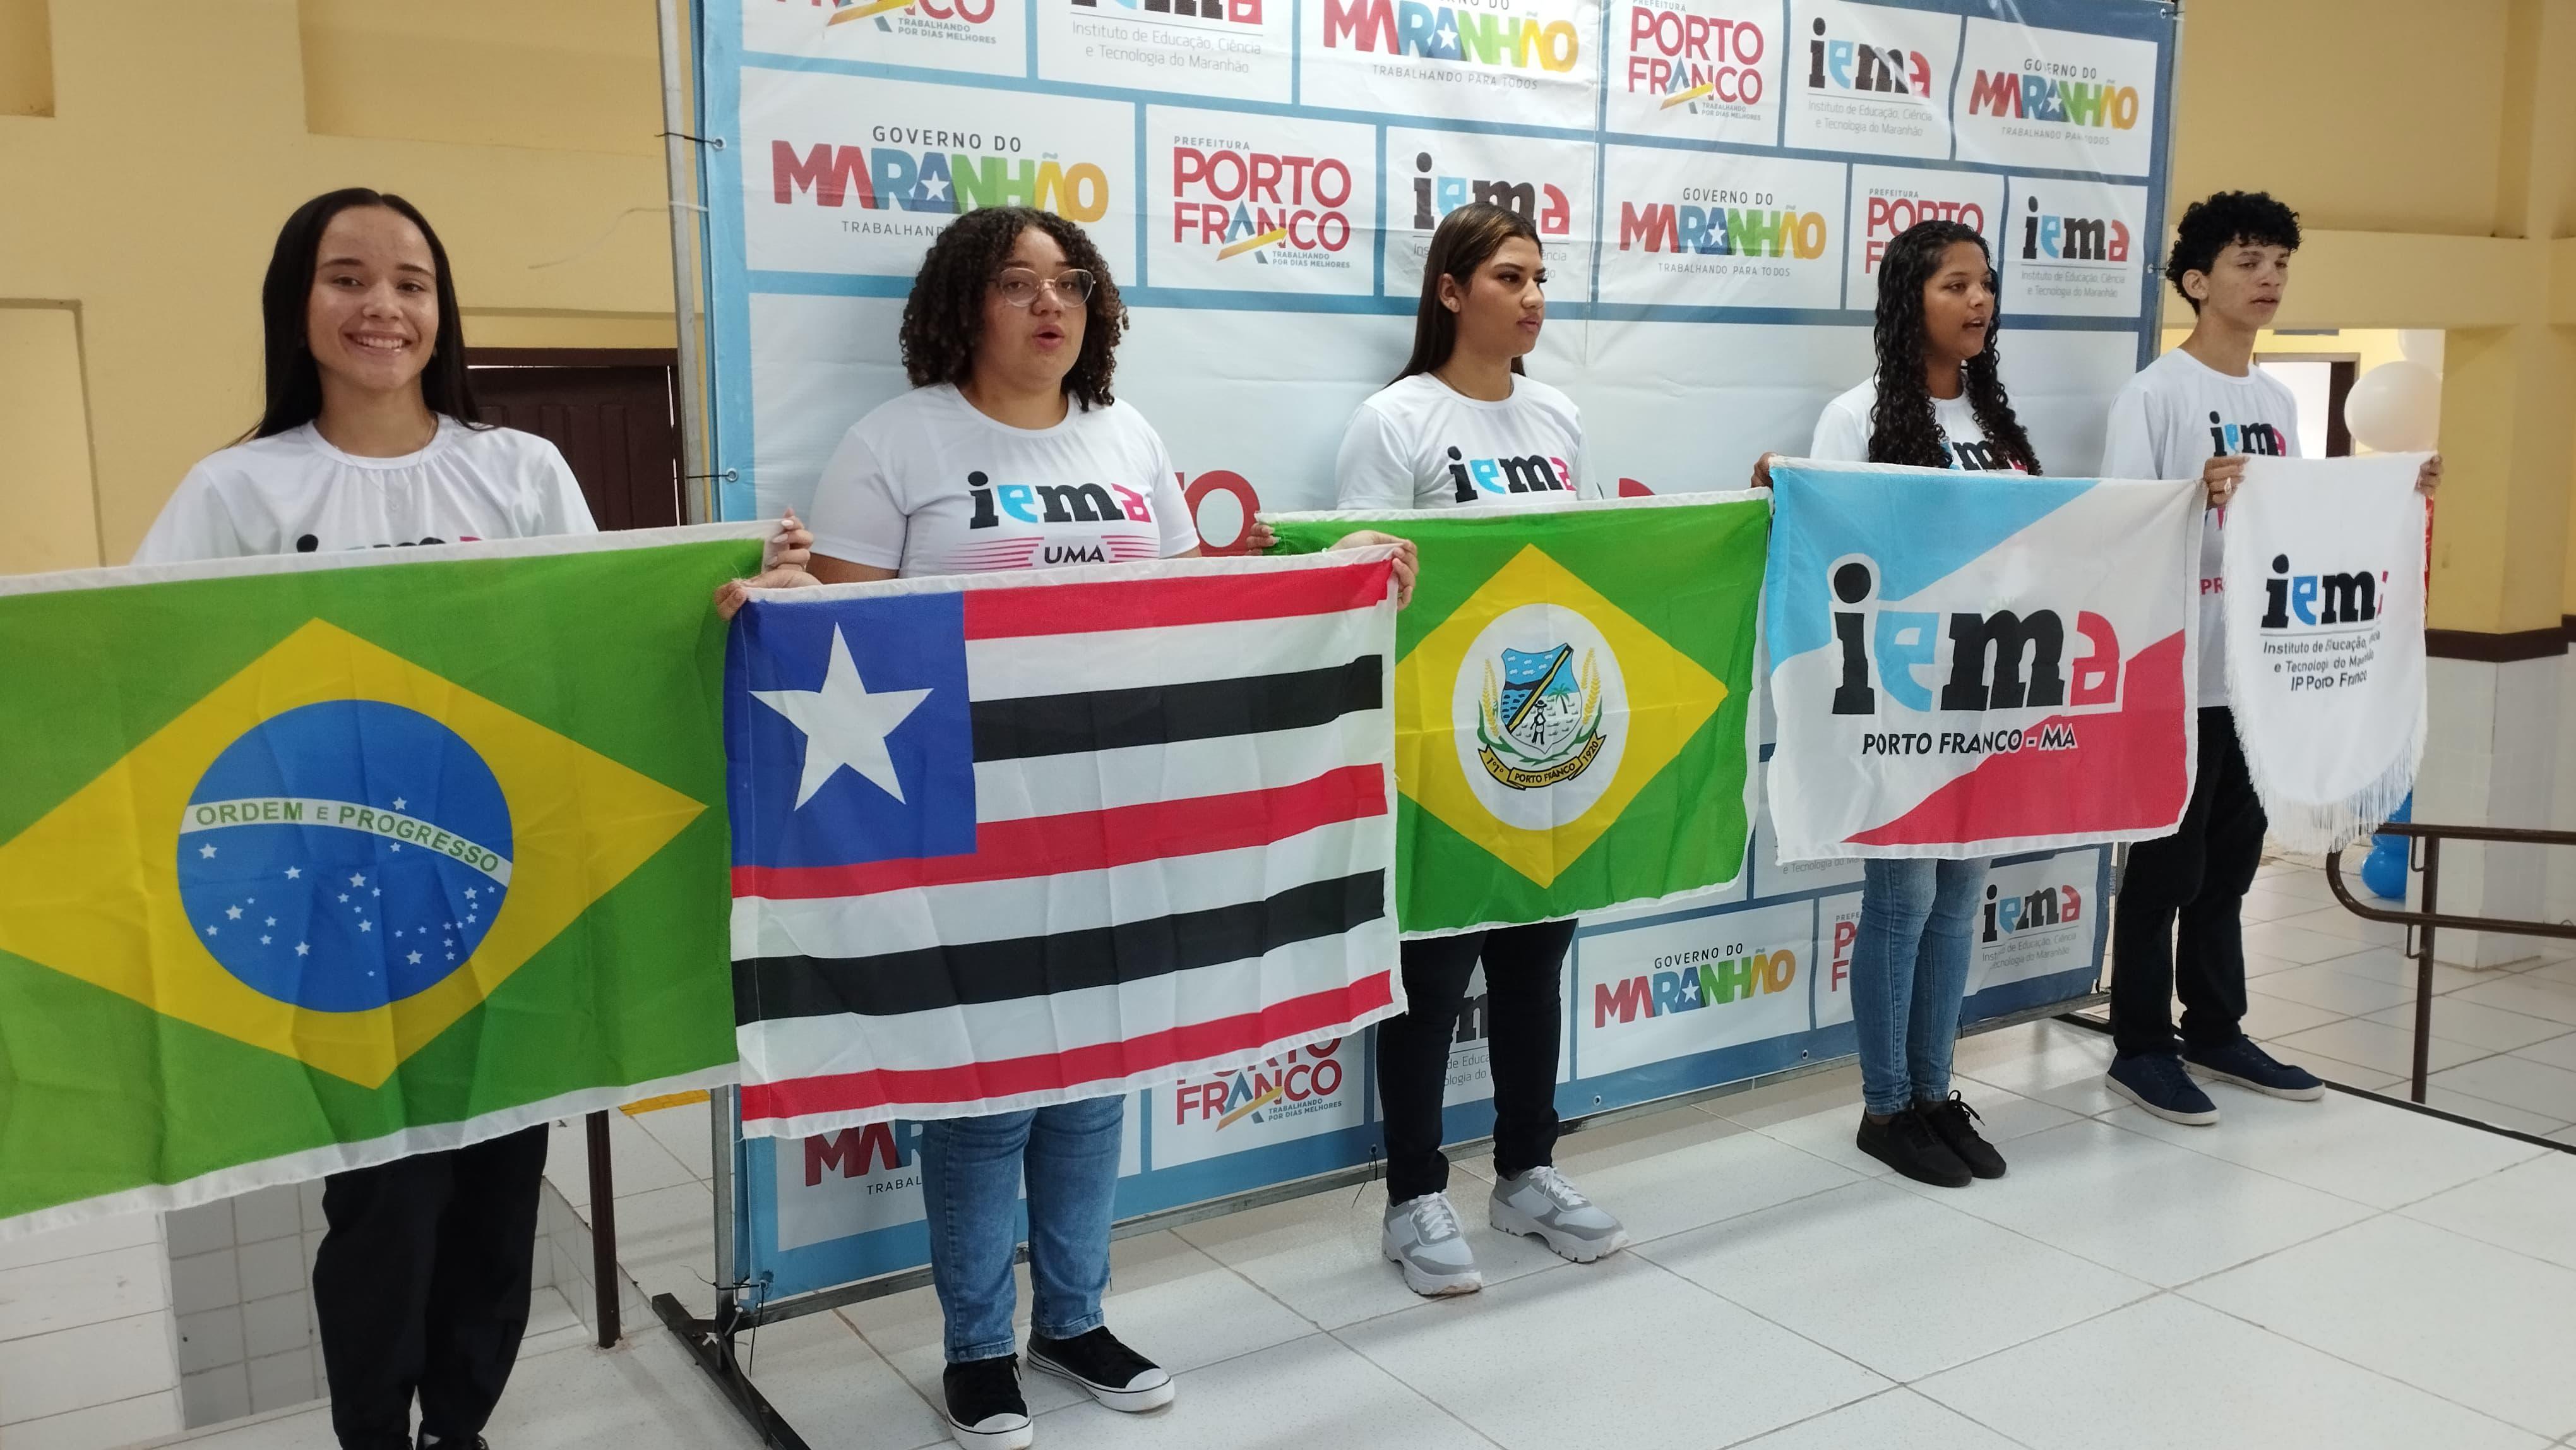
1969, 664
1008, 840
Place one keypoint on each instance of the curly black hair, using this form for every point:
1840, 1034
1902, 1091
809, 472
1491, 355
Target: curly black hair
943, 319
2212, 226
1902, 428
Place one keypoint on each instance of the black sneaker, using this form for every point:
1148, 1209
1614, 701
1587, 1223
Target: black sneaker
1907, 1144
1117, 1376
2249, 1066
2156, 1082
985, 1409
429, 1441
1954, 1123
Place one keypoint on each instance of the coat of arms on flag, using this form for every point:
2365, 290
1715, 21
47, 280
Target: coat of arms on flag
1573, 703
1967, 664
1006, 840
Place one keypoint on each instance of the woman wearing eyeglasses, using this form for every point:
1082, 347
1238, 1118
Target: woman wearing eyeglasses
1010, 453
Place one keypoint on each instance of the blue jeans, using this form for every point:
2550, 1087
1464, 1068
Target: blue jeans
970, 1182
1908, 971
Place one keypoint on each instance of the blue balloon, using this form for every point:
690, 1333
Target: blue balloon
2384, 869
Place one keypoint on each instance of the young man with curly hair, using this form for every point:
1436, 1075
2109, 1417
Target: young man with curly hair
2200, 411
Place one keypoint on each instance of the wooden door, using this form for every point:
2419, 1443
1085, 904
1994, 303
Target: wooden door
611, 410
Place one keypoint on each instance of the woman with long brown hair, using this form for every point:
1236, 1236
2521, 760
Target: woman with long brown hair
1464, 426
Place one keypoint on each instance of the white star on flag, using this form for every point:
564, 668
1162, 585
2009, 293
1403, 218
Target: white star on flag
263, 941
301, 949
294, 873
844, 724
232, 913
414, 959
398, 803
366, 926
356, 880
207, 852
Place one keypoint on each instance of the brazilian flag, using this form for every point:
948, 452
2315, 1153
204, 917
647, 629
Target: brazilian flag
312, 862
1573, 692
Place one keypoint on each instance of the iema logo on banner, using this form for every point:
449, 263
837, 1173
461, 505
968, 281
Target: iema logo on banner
1542, 204
1287, 1086
1723, 222
1850, 65
2006, 660
2029, 95
2318, 601
1236, 12
1692, 980
966, 12
2046, 907
951, 172
1242, 201
2047, 237
1703, 62
1440, 32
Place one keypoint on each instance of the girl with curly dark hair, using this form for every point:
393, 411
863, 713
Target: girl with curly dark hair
1936, 400
1010, 452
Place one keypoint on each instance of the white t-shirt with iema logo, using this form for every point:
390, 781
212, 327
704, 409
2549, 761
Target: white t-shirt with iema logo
927, 484
1843, 429
293, 493
2173, 417
1420, 444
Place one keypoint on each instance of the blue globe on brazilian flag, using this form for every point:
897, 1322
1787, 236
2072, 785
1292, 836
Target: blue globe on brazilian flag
308, 863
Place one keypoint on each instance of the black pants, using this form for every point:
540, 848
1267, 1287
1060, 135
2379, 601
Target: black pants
2198, 874
1524, 1026
422, 1284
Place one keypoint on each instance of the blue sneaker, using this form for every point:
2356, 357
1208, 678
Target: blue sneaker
2156, 1082
2248, 1066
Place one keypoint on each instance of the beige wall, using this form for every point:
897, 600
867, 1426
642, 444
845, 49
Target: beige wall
182, 135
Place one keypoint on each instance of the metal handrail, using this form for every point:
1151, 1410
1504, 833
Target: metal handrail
2420, 925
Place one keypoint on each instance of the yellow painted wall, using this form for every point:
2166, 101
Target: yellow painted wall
44, 435
182, 135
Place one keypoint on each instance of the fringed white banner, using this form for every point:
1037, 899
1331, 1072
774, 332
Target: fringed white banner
2325, 640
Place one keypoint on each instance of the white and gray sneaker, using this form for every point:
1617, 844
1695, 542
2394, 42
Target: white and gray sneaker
1541, 1204
1424, 1239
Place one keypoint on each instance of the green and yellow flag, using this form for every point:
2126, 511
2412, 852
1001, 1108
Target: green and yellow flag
310, 863
1573, 691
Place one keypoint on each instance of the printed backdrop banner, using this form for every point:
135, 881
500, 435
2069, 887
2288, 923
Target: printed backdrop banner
1012, 839
1715, 184
2325, 640
1972, 663
313, 862
1573, 703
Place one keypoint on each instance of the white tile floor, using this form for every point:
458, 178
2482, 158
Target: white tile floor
2335, 1274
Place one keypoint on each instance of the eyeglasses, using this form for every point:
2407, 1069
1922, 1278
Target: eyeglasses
1019, 286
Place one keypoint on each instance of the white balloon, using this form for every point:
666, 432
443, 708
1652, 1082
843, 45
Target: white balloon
2395, 408
2422, 345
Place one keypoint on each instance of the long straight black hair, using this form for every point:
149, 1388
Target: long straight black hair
294, 378
1465, 239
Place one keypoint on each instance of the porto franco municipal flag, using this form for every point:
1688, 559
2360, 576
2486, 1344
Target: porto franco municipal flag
313, 862
1007, 840
2325, 640
1968, 664
1574, 703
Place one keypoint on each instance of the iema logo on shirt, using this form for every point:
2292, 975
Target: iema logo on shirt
2226, 439
1707, 63
2048, 237
1850, 65
2061, 905
1439, 32
1242, 200
1723, 222
2031, 95
947, 172
1543, 204
1476, 480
